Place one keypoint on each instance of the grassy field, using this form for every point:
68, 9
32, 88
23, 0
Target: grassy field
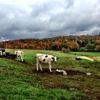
91, 54
21, 81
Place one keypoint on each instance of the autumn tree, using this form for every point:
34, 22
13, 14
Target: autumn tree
97, 42
54, 46
97, 45
97, 48
74, 46
65, 43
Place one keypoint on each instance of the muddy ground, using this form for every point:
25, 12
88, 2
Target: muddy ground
74, 80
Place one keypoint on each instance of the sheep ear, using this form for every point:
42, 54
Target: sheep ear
46, 56
57, 57
53, 58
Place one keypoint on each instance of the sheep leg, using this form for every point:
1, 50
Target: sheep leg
37, 66
40, 67
50, 67
21, 58
18, 58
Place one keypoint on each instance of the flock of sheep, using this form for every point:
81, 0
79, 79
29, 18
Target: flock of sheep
40, 59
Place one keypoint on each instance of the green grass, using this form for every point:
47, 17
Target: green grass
33, 52
91, 54
17, 84
21, 81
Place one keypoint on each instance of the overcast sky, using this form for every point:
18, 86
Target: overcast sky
48, 18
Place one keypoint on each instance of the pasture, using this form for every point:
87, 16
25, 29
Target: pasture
21, 80
90, 54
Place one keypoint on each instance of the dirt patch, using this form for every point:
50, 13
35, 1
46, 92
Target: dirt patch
74, 81
69, 72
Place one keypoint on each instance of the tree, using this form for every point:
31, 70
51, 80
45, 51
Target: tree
97, 42
74, 46
65, 43
90, 47
97, 47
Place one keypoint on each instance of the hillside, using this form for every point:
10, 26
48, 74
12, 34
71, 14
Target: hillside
73, 43
21, 80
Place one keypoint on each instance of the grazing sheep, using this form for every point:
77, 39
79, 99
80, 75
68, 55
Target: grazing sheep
19, 55
45, 58
2, 51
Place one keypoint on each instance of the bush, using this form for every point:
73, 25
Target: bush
90, 47
83, 49
65, 50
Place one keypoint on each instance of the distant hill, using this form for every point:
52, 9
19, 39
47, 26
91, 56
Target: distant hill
74, 43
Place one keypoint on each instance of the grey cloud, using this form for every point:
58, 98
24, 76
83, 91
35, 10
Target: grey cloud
69, 3
48, 19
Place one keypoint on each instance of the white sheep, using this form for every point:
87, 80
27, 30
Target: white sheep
0, 52
19, 55
45, 58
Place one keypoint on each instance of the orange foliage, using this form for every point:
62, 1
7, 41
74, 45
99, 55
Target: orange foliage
55, 43
74, 46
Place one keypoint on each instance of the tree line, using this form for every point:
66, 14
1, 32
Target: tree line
64, 43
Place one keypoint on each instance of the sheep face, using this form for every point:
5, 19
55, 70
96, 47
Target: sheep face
19, 55
54, 59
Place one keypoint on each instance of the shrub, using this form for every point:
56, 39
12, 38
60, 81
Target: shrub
90, 47
83, 49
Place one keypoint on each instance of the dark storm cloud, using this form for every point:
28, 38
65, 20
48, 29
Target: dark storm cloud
42, 18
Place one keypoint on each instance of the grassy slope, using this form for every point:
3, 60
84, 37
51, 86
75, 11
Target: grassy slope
91, 54
21, 81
